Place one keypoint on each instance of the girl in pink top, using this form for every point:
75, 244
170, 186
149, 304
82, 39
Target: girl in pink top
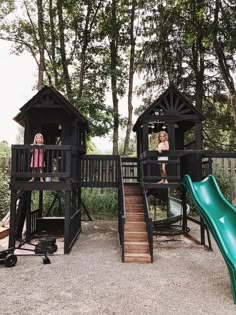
37, 162
163, 145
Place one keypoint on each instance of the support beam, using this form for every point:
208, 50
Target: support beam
67, 222
12, 219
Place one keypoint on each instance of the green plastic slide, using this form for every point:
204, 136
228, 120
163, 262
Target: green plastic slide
219, 216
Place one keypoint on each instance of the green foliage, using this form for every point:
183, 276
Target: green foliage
132, 151
92, 105
48, 197
153, 141
100, 203
20, 135
225, 181
5, 150
192, 44
6, 7
4, 194
5, 153
218, 128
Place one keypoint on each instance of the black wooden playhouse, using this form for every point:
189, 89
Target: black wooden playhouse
65, 132
68, 169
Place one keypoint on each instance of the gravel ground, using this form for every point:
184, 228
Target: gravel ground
93, 280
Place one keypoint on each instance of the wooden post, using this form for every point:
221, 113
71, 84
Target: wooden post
12, 219
171, 135
40, 204
202, 232
67, 223
184, 205
28, 215
138, 136
198, 135
145, 137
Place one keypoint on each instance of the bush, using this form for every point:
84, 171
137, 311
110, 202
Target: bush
48, 199
4, 194
225, 181
102, 204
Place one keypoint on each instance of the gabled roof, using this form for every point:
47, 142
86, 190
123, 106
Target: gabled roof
55, 99
168, 105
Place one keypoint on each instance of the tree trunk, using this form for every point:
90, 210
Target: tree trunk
86, 39
63, 50
198, 53
131, 79
83, 52
223, 66
53, 43
41, 47
113, 49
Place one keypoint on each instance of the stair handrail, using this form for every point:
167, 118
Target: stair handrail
148, 220
121, 208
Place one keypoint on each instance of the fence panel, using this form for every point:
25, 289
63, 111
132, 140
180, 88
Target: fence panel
99, 171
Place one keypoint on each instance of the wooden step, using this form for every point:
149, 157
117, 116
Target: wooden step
134, 207
132, 193
133, 200
134, 217
133, 210
136, 247
135, 236
128, 186
135, 226
137, 258
132, 190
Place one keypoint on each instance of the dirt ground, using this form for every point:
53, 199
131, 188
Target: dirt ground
185, 278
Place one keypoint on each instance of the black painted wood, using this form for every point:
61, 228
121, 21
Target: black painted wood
65, 130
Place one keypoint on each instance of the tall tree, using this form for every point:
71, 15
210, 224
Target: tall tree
41, 44
224, 40
89, 24
64, 59
113, 51
131, 77
54, 77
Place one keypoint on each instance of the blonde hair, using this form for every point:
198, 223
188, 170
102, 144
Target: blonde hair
164, 133
38, 135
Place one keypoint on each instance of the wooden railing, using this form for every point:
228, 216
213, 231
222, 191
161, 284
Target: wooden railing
149, 166
129, 169
121, 212
56, 161
148, 220
33, 217
99, 171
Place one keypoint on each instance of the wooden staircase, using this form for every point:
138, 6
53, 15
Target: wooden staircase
136, 247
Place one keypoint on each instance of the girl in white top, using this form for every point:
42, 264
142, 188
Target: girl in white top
162, 145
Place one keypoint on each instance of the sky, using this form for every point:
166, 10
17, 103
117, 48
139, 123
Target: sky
17, 79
